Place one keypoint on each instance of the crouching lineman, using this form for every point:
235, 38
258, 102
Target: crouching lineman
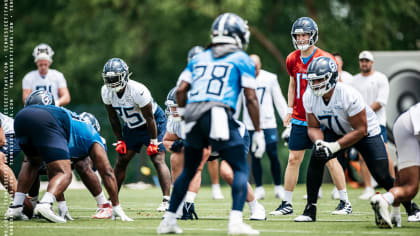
174, 142
213, 80
51, 134
144, 123
407, 137
346, 121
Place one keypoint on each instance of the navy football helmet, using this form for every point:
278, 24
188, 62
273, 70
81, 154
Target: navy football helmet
90, 119
230, 28
304, 25
194, 51
40, 97
170, 103
325, 70
115, 74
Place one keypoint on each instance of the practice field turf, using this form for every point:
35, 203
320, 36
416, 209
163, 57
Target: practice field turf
141, 205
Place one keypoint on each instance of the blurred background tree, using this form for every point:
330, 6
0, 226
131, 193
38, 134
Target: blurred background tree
153, 37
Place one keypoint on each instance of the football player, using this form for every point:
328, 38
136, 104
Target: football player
268, 92
174, 142
45, 78
144, 123
407, 137
304, 35
213, 80
346, 120
64, 134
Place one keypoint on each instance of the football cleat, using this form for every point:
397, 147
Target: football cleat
259, 193
414, 218
343, 208
165, 227
217, 193
163, 206
258, 213
396, 220
241, 228
279, 193
413, 213
15, 213
188, 211
45, 211
380, 207
367, 194
104, 211
285, 208
309, 214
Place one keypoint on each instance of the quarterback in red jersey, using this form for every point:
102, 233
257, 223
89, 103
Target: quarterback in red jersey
304, 35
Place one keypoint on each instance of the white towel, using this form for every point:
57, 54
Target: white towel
219, 127
186, 128
415, 118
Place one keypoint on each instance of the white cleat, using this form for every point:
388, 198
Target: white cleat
45, 211
168, 228
217, 193
15, 213
279, 193
303, 218
396, 220
258, 213
241, 229
414, 218
380, 207
163, 206
259, 193
367, 194
343, 208
104, 211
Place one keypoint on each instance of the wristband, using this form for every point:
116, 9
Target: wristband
290, 110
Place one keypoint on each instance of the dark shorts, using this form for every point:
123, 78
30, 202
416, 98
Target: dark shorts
199, 138
383, 133
39, 134
137, 137
270, 135
299, 139
11, 149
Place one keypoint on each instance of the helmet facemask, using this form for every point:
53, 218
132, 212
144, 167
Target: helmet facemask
171, 109
115, 81
323, 87
303, 47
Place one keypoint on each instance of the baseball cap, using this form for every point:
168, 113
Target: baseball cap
366, 55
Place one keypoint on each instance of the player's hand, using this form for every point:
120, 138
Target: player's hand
258, 144
117, 211
177, 145
286, 134
63, 211
325, 150
121, 147
287, 119
153, 147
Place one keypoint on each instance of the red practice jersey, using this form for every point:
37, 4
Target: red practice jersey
297, 69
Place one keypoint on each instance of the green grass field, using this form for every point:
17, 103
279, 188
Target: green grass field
141, 205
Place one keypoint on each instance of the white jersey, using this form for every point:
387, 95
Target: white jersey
6, 123
415, 118
51, 82
135, 96
268, 91
373, 88
344, 103
174, 127
346, 77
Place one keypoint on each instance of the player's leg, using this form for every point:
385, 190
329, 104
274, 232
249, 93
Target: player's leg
213, 168
164, 175
257, 172
7, 176
364, 172
177, 163
339, 179
120, 168
271, 150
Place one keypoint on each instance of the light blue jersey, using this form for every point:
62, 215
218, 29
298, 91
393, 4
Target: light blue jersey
219, 79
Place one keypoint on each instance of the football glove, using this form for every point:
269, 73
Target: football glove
117, 211
325, 150
286, 135
258, 144
177, 145
153, 147
63, 211
121, 147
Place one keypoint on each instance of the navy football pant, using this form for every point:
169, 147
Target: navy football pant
271, 150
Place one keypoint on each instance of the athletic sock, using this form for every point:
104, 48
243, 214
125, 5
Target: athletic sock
18, 199
190, 197
343, 195
100, 199
288, 196
388, 197
235, 217
48, 198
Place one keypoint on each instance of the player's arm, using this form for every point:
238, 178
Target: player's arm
253, 107
115, 121
170, 139
383, 94
2, 137
314, 128
64, 97
181, 95
290, 101
359, 124
278, 98
147, 112
25, 94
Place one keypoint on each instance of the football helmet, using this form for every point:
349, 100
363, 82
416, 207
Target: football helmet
90, 119
40, 97
230, 28
304, 25
43, 52
324, 69
115, 74
171, 103
194, 51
